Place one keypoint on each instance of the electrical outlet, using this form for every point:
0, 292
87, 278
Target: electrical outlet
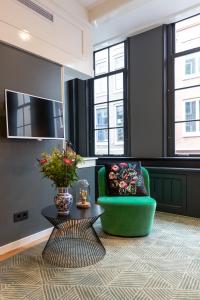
20, 216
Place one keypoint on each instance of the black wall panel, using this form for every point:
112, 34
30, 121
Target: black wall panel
147, 93
78, 115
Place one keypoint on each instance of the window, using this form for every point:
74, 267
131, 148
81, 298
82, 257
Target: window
189, 66
190, 114
102, 136
101, 117
186, 87
119, 122
109, 97
119, 115
101, 122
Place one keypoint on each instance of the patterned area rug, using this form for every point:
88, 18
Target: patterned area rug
163, 266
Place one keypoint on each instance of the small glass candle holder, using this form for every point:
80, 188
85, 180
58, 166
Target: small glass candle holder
83, 194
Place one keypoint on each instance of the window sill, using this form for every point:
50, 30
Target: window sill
191, 135
88, 162
187, 162
178, 157
189, 77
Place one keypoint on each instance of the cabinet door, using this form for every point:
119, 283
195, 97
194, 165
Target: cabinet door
169, 190
193, 195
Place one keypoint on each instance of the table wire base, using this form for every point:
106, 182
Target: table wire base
73, 244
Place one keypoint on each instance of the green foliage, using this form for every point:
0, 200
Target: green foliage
60, 167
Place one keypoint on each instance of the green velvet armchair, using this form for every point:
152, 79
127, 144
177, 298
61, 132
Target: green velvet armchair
126, 215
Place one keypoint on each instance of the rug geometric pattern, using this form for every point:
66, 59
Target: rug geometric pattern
162, 266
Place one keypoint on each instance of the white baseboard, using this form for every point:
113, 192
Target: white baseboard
25, 241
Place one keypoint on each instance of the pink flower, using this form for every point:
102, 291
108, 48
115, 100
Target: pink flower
67, 161
115, 167
123, 184
123, 164
134, 180
126, 176
43, 161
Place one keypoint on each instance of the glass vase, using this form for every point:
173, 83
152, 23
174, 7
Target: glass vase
83, 194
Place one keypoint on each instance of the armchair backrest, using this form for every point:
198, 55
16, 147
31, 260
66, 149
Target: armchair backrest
102, 181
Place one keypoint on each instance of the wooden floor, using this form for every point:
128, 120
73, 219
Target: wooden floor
21, 249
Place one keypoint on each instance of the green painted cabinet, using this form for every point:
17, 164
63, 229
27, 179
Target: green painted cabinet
169, 190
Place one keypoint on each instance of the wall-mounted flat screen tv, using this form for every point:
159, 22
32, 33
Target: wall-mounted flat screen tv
31, 117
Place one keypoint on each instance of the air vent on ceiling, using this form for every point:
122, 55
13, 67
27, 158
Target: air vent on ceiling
37, 8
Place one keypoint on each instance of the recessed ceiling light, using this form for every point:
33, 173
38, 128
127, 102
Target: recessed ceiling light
24, 35
95, 23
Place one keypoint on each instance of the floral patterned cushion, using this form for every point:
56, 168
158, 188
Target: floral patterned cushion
125, 179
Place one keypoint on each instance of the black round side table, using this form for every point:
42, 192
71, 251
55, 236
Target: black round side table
73, 242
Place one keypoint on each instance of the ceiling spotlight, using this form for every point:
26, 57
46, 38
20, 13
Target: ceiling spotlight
95, 23
24, 35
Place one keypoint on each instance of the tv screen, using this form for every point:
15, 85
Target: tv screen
33, 117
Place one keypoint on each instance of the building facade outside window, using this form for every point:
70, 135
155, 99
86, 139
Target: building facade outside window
109, 97
186, 92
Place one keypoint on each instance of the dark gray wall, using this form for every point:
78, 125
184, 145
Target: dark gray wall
146, 93
22, 186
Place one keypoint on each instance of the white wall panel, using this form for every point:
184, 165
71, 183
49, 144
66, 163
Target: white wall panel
66, 40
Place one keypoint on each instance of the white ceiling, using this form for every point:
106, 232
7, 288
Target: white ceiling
134, 16
91, 3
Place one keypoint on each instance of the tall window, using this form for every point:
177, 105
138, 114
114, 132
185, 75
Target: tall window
109, 97
187, 86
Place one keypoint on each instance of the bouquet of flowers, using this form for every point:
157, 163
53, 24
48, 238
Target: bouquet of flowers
60, 166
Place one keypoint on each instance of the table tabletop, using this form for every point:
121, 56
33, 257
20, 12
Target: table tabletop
75, 213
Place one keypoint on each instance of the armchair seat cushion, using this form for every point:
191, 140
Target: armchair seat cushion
127, 216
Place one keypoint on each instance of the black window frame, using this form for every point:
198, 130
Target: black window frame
172, 55
124, 101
